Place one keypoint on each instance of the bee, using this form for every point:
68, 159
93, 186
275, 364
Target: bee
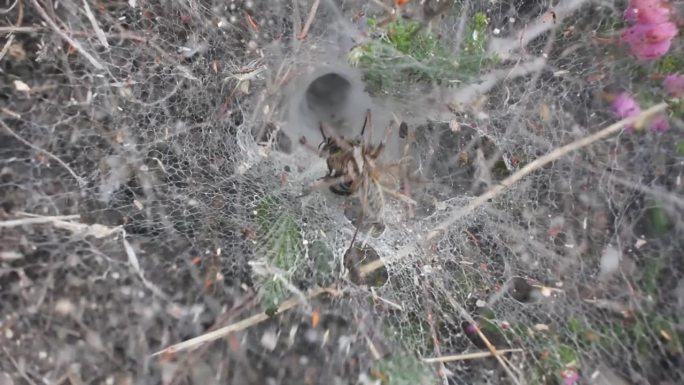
354, 170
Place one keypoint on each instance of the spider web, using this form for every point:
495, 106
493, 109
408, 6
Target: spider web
187, 146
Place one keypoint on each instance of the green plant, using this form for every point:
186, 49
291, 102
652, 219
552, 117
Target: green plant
403, 369
670, 64
405, 52
658, 220
680, 148
280, 245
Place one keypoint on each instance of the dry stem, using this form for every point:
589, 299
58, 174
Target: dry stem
37, 220
98, 31
196, 342
541, 162
81, 181
309, 20
66, 37
468, 356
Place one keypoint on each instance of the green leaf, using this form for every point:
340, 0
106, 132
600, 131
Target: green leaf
680, 148
670, 64
650, 276
658, 220
575, 326
566, 355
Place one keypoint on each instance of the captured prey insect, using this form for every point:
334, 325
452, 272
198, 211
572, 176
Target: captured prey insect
354, 170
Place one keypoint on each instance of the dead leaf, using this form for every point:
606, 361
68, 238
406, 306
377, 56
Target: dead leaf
665, 335
252, 23
119, 137
541, 327
315, 318
545, 113
21, 86
6, 379
17, 52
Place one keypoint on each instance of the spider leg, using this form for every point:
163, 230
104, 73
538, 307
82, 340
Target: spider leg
397, 195
380, 147
337, 139
406, 140
326, 182
308, 146
367, 122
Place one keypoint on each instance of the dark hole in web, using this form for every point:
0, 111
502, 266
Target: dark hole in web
328, 92
403, 130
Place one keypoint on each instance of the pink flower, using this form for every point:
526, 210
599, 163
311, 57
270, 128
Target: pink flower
472, 328
660, 124
650, 41
651, 35
624, 106
674, 85
647, 11
650, 51
570, 376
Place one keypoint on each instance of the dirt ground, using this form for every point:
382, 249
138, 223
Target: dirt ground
151, 184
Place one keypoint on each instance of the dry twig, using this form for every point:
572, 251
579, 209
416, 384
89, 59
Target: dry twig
309, 20
468, 356
66, 37
541, 162
37, 220
98, 31
81, 181
12, 29
196, 342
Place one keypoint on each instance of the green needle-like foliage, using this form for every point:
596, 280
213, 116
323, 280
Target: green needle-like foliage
280, 244
405, 52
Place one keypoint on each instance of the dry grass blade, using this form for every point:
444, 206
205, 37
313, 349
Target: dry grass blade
81, 181
309, 20
4, 50
468, 356
11, 29
37, 220
371, 267
196, 342
66, 37
98, 31
541, 162
497, 355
